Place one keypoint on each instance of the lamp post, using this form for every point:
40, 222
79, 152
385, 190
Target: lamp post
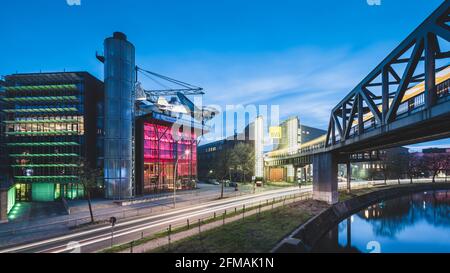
186, 153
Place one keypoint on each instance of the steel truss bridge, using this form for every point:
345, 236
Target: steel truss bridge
404, 100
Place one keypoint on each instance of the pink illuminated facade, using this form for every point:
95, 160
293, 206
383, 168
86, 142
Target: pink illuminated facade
164, 158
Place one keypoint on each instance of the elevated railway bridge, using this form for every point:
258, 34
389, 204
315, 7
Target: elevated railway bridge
404, 100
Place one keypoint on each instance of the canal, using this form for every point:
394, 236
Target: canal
416, 223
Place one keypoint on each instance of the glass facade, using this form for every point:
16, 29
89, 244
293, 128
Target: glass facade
168, 159
11, 199
46, 131
119, 117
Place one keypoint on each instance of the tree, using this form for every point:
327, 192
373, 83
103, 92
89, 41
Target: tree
400, 162
436, 162
372, 172
385, 165
244, 155
225, 161
446, 165
88, 178
393, 164
415, 166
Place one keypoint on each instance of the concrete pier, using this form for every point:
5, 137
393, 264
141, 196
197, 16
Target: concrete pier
325, 178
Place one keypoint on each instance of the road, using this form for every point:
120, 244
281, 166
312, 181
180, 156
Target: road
127, 230
99, 238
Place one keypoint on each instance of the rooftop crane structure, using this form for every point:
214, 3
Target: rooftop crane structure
179, 105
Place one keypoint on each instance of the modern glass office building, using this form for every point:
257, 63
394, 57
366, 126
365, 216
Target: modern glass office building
3, 151
49, 122
164, 155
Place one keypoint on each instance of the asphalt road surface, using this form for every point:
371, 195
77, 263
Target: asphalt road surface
99, 237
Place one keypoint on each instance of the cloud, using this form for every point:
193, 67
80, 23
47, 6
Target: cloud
307, 81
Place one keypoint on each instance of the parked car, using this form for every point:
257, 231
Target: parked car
213, 182
233, 185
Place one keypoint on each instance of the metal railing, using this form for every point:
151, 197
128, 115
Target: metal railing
163, 237
211, 219
261, 204
126, 213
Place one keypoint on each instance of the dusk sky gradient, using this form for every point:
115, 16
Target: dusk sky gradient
302, 55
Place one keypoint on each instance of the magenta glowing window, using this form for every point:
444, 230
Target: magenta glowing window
161, 148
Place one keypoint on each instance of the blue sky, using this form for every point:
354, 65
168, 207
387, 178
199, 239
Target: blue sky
302, 55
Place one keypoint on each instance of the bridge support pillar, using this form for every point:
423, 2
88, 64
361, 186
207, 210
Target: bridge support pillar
290, 173
305, 174
349, 177
325, 182
295, 174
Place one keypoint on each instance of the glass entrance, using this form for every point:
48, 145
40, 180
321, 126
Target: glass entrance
151, 178
43, 192
167, 176
23, 192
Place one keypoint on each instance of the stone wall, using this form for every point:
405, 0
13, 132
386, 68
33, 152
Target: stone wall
3, 205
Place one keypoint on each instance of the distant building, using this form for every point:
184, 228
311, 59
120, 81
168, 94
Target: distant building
208, 154
436, 151
307, 133
293, 135
374, 169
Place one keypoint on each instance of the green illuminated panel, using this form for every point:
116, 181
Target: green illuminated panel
41, 121
11, 199
42, 133
43, 87
57, 191
45, 165
42, 110
46, 177
43, 192
43, 155
41, 99
74, 192
66, 178
48, 144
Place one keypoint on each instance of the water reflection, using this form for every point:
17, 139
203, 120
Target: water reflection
414, 223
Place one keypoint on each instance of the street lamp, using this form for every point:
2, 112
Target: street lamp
186, 153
